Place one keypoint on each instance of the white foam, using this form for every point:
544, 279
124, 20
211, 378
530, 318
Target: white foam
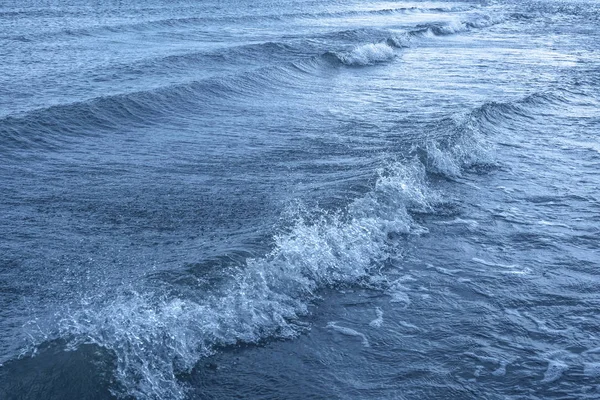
399, 297
467, 150
368, 54
397, 291
400, 40
377, 322
447, 271
454, 26
442, 161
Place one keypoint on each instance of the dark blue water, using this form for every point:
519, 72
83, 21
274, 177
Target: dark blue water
299, 199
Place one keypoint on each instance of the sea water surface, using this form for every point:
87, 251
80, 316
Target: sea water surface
299, 199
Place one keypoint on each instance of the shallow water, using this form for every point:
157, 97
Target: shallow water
299, 200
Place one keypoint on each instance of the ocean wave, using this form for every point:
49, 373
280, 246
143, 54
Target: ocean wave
157, 336
156, 339
461, 141
409, 37
381, 48
498, 114
51, 127
459, 25
367, 54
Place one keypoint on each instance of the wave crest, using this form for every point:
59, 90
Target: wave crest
368, 54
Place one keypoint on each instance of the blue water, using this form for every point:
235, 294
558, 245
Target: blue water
300, 199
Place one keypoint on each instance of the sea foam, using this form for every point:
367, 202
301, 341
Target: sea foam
368, 54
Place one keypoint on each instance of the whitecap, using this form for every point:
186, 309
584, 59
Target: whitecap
368, 54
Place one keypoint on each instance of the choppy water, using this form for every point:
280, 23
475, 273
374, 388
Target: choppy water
299, 199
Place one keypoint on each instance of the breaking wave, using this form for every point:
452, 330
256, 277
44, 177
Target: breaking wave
368, 54
159, 335
454, 26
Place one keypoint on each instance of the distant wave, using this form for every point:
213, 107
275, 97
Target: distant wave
195, 20
475, 21
383, 50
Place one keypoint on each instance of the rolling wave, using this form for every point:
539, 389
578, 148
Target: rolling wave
50, 127
368, 54
156, 337
475, 21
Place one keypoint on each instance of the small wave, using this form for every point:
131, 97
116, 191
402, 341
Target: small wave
399, 40
53, 126
463, 144
497, 114
454, 26
265, 298
368, 54
357, 34
385, 11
